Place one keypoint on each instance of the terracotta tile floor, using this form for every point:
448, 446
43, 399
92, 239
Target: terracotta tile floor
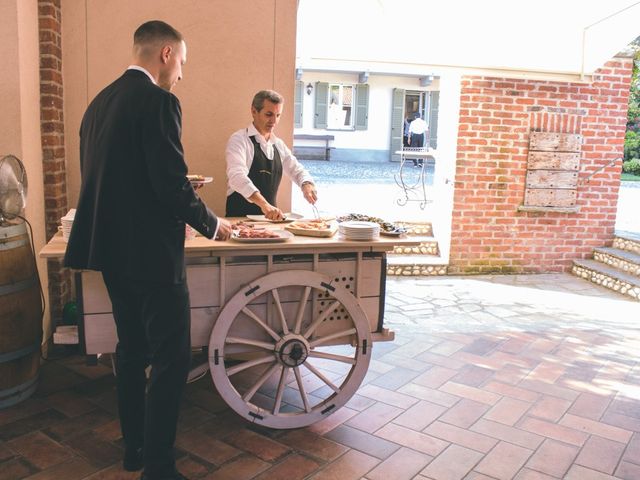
493, 377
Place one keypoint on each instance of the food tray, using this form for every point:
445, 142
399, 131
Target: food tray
283, 236
305, 232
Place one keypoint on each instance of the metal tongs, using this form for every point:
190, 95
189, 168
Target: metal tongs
315, 211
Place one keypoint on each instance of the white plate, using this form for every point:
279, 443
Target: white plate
202, 182
288, 217
359, 225
283, 236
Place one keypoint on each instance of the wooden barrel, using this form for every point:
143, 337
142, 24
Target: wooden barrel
20, 316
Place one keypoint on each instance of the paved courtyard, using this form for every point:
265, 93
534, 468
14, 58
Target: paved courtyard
489, 377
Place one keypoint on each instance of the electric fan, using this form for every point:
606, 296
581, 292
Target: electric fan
13, 188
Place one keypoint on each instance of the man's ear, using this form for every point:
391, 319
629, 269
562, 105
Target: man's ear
165, 53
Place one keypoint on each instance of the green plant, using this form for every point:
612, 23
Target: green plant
631, 145
632, 137
631, 166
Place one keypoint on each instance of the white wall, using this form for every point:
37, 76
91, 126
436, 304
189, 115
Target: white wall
377, 135
20, 119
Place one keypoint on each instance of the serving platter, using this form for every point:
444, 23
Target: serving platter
309, 232
201, 182
288, 217
283, 236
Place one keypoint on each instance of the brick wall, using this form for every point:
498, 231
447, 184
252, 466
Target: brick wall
489, 234
53, 152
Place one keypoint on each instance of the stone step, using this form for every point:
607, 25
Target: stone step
627, 241
428, 246
610, 277
415, 265
621, 259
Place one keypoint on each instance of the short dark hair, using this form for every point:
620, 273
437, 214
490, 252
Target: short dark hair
156, 30
262, 95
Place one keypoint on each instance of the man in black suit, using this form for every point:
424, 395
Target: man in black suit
130, 224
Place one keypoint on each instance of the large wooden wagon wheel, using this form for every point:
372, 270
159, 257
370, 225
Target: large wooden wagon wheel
289, 349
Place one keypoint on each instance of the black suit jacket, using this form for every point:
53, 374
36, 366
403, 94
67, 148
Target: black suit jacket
135, 197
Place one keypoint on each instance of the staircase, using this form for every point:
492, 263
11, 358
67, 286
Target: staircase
416, 261
616, 267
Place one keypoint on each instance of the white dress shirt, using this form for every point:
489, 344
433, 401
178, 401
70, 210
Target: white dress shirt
143, 70
239, 157
418, 126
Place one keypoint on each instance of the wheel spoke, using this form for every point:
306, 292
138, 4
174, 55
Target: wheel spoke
301, 307
281, 384
260, 322
249, 341
319, 374
248, 364
321, 340
332, 356
320, 319
283, 321
263, 378
303, 394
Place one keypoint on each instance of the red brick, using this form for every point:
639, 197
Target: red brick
600, 454
504, 461
553, 458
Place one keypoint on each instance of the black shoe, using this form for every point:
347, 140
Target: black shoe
133, 461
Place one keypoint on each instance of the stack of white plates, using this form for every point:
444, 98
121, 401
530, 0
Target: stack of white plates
356, 230
67, 222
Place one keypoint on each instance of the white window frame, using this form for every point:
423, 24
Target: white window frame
331, 123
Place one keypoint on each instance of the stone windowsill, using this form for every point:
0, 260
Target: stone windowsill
531, 208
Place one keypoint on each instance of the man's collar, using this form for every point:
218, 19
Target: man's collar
143, 70
253, 131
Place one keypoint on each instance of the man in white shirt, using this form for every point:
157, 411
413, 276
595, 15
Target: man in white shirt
256, 159
417, 130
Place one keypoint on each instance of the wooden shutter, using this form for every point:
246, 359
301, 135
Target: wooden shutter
297, 104
362, 107
433, 119
552, 171
322, 96
397, 123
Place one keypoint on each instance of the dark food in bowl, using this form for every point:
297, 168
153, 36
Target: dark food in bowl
384, 225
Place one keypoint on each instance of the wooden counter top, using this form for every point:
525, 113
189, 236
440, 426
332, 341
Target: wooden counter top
297, 244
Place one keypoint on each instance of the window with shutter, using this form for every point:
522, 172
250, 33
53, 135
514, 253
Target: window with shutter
322, 95
362, 106
552, 172
297, 104
397, 123
433, 119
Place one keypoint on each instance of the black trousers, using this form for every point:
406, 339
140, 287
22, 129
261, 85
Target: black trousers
153, 324
417, 140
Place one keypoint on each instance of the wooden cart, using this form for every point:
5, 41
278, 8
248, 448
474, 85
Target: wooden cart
288, 326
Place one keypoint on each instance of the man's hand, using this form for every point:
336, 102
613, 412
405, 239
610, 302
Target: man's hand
310, 193
271, 212
224, 229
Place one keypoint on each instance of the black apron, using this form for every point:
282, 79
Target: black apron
265, 175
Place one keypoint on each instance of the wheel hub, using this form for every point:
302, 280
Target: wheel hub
292, 350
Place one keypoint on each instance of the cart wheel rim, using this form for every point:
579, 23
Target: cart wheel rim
303, 364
